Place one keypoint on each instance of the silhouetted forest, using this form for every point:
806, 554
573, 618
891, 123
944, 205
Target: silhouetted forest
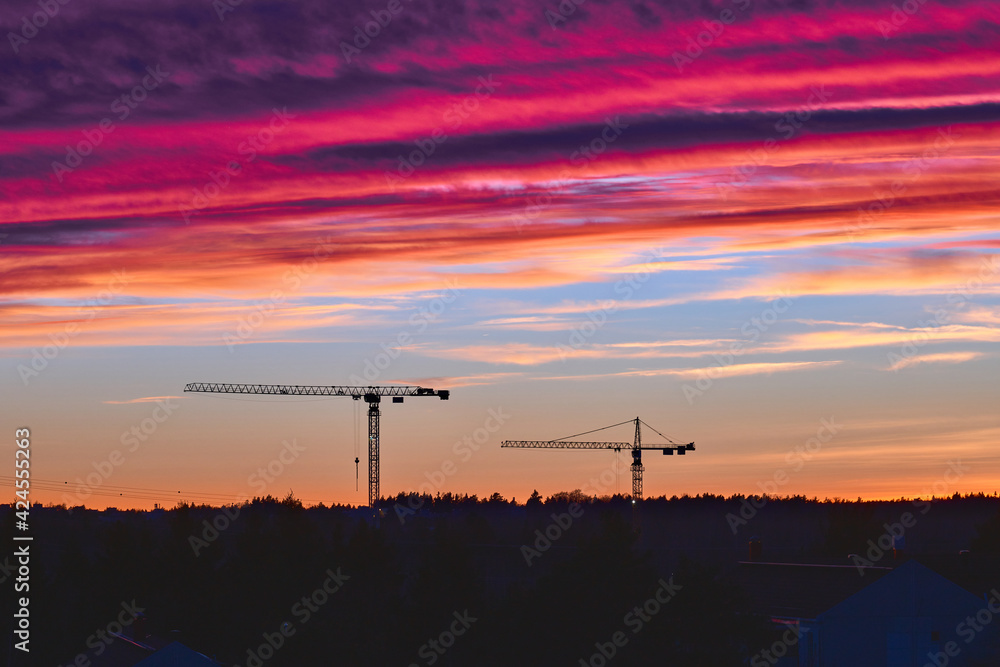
457, 580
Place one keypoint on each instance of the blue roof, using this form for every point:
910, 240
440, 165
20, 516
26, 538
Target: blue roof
177, 655
910, 589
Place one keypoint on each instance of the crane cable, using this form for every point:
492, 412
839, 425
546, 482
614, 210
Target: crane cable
617, 485
657, 432
603, 428
357, 444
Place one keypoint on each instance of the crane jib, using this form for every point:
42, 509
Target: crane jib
354, 392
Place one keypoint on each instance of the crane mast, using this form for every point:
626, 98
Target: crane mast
372, 395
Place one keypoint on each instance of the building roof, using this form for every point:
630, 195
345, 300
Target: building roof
120, 654
150, 652
808, 591
177, 655
803, 591
910, 590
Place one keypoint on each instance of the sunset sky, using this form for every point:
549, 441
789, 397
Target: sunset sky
734, 219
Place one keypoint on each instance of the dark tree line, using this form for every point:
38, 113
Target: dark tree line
452, 580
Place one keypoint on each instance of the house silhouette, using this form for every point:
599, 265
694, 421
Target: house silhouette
127, 650
848, 616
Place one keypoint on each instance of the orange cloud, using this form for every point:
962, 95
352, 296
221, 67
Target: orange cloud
937, 358
711, 372
881, 335
884, 274
146, 399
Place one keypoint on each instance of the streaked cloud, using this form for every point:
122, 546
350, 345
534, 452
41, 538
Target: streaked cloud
600, 210
937, 358
145, 399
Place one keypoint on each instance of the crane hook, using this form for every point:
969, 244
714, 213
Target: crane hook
357, 472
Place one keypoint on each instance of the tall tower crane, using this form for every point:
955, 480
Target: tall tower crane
636, 446
372, 396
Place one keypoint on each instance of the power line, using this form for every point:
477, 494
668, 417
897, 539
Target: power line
135, 492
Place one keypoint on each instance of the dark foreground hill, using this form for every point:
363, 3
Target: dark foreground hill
462, 581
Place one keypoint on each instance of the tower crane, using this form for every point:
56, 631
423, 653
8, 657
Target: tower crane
372, 395
636, 446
